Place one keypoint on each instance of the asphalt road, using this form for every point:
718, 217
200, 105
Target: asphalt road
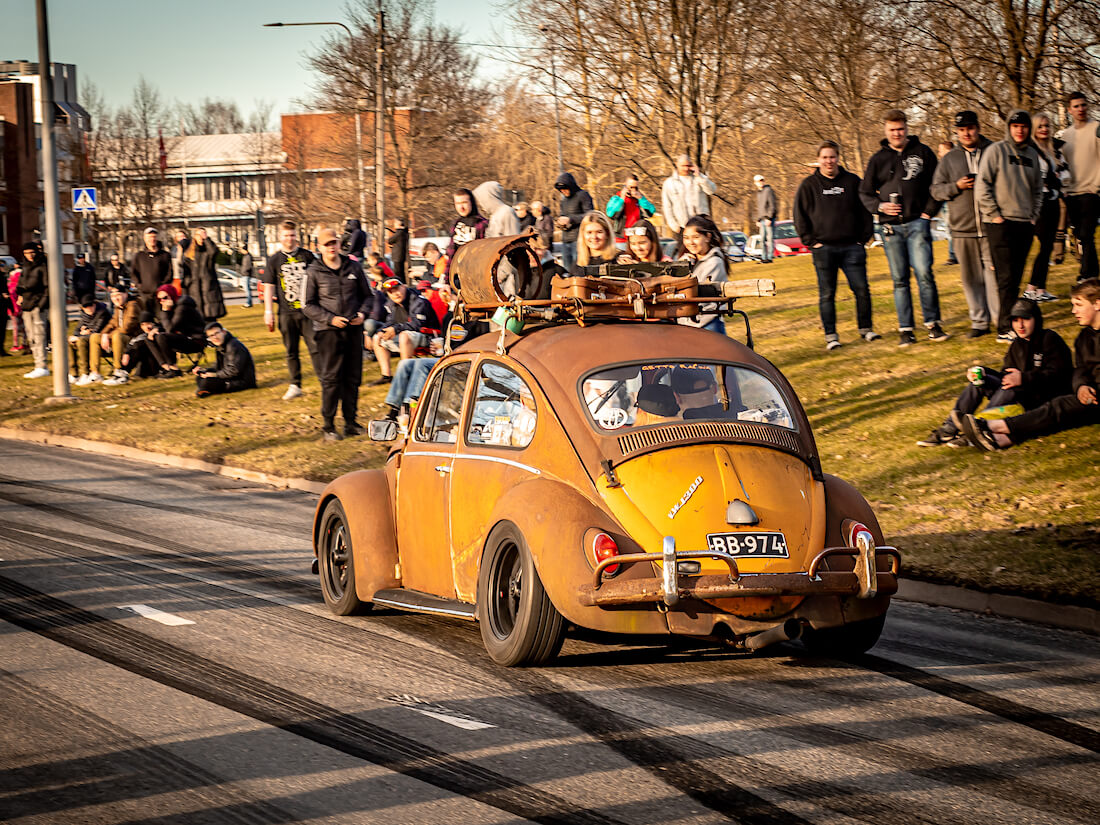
263, 708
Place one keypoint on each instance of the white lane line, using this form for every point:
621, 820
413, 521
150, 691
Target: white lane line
436, 712
156, 615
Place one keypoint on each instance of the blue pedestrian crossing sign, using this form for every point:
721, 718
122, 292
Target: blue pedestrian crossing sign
84, 200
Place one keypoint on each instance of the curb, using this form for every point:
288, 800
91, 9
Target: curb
1068, 617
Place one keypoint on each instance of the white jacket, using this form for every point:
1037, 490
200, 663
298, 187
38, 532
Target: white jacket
680, 203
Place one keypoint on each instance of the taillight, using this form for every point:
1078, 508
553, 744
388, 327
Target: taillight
859, 536
604, 547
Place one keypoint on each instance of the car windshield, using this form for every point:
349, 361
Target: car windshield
738, 238
639, 395
785, 230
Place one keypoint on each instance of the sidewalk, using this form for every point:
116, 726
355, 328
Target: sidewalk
975, 601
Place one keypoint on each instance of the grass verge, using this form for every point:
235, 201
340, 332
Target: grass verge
1023, 521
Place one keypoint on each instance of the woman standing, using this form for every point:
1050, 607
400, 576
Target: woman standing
204, 287
643, 245
703, 243
595, 242
1054, 169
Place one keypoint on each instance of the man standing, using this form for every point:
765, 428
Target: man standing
897, 187
684, 194
33, 296
954, 183
284, 275
399, 248
1082, 153
544, 223
336, 298
83, 279
247, 270
575, 204
766, 211
628, 206
468, 226
1009, 190
832, 222
116, 273
151, 269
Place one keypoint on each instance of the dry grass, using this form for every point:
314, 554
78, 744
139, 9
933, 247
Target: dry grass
1024, 520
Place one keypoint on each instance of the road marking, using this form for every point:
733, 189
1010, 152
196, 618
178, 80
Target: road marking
436, 712
156, 615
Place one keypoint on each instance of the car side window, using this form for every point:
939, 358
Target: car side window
503, 413
443, 406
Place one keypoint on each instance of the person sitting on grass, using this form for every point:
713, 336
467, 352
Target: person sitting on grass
1037, 368
409, 324
137, 361
1076, 409
123, 326
84, 343
233, 370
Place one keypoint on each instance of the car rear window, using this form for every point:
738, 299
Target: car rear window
639, 395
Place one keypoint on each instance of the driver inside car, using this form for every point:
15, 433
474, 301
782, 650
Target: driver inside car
701, 396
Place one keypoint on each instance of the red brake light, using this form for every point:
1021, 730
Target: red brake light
604, 547
856, 531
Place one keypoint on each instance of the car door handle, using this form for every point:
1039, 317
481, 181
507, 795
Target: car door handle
442, 468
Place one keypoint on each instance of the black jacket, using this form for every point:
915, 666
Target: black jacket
1086, 350
83, 280
117, 277
908, 172
94, 324
419, 312
234, 364
829, 210
354, 239
327, 293
184, 319
574, 206
399, 251
204, 286
34, 284
151, 270
1045, 364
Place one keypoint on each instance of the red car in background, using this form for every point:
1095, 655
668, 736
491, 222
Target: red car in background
787, 242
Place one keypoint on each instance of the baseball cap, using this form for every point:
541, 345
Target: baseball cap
966, 118
687, 380
391, 283
151, 230
326, 236
1023, 308
1020, 117
87, 301
758, 177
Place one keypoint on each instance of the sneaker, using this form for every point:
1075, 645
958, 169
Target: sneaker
1045, 296
331, 435
1030, 294
831, 345
936, 333
1006, 337
120, 377
72, 378
352, 430
391, 412
37, 372
82, 381
952, 262
293, 391
94, 377
978, 433
975, 332
172, 373
907, 338
959, 441
870, 335
380, 380
936, 438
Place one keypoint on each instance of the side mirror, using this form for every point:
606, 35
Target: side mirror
382, 430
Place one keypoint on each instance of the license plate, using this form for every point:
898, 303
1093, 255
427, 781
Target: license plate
749, 545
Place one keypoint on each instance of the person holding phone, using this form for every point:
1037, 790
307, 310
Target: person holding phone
953, 183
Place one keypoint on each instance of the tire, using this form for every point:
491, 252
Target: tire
846, 640
519, 625
336, 563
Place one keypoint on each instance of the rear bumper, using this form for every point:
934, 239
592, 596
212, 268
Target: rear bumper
865, 581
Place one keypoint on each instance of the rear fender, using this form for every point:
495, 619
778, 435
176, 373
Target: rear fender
553, 517
365, 496
844, 502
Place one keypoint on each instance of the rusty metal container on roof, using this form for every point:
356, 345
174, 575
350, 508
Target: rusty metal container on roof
495, 270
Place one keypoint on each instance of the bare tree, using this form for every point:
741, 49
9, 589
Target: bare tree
211, 117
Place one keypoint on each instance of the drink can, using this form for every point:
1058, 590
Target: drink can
895, 197
976, 376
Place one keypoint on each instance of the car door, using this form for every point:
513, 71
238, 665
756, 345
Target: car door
424, 484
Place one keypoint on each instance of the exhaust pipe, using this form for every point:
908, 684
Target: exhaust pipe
786, 632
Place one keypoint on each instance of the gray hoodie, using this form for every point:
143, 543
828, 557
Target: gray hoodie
1010, 181
502, 217
954, 165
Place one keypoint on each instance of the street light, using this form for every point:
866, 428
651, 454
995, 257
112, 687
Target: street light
545, 28
358, 123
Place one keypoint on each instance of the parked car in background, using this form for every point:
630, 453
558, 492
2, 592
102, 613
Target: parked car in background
735, 244
787, 242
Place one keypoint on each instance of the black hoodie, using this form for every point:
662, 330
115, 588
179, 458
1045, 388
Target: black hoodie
466, 228
829, 210
575, 205
354, 239
34, 285
1044, 361
908, 172
1087, 351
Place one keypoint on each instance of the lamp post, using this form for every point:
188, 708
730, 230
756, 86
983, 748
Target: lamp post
544, 28
358, 118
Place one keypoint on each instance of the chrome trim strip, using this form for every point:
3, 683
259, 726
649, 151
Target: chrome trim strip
492, 458
443, 611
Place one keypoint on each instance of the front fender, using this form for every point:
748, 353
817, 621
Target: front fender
553, 517
366, 499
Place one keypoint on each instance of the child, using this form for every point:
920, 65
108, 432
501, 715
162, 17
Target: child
703, 243
1078, 409
1037, 368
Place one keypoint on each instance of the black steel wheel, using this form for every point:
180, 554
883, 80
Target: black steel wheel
336, 563
846, 640
519, 624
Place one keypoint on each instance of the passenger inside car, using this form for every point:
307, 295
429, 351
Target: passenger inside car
656, 405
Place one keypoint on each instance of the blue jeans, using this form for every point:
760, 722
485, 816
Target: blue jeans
767, 239
716, 325
852, 258
408, 380
910, 245
247, 290
568, 256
